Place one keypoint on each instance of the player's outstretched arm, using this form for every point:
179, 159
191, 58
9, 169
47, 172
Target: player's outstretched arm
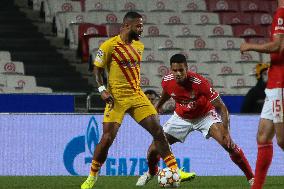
277, 45
164, 98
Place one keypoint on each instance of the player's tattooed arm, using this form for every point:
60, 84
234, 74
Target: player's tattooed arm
223, 111
164, 98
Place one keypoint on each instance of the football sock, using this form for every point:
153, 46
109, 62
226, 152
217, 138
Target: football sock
238, 157
95, 167
170, 161
264, 158
153, 164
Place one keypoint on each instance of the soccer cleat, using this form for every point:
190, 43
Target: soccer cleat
185, 176
251, 181
144, 179
90, 182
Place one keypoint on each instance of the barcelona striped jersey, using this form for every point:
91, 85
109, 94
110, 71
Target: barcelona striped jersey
122, 62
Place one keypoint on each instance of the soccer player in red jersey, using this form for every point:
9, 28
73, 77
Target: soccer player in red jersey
198, 108
271, 119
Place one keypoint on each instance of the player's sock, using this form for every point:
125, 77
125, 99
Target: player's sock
264, 158
171, 161
153, 164
238, 157
95, 167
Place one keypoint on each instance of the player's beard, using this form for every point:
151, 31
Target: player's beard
134, 35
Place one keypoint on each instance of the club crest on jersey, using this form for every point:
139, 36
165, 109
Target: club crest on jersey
173, 94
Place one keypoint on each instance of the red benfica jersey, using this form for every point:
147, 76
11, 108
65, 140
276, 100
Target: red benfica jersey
276, 70
193, 100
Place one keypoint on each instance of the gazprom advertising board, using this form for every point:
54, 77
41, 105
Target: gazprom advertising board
63, 144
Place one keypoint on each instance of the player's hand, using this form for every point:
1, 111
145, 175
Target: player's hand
108, 98
244, 47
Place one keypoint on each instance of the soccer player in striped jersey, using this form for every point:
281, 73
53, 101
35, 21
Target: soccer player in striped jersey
121, 56
198, 108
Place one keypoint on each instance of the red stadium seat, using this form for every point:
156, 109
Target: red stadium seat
91, 29
86, 31
250, 31
223, 6
235, 18
254, 6
262, 19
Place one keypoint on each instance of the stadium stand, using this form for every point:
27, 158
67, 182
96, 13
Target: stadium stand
21, 38
208, 32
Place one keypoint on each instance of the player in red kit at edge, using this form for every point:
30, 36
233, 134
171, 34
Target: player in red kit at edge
271, 119
198, 107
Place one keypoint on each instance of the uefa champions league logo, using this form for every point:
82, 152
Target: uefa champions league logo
79, 144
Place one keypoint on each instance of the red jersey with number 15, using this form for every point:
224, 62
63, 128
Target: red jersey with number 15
193, 100
276, 70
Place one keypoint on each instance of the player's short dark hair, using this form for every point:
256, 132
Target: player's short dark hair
131, 15
151, 92
178, 58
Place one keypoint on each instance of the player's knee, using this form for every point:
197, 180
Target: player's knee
262, 138
158, 133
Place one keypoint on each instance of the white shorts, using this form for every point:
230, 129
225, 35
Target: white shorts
273, 105
180, 128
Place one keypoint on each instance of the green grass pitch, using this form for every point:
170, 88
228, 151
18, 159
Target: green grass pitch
73, 182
